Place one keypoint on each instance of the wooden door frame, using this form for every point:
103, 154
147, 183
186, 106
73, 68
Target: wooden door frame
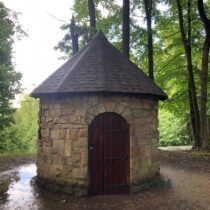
89, 159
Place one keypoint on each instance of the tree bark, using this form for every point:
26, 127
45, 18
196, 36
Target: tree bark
126, 28
92, 13
204, 88
74, 36
194, 111
148, 12
192, 119
204, 74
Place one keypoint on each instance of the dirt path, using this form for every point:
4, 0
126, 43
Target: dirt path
189, 175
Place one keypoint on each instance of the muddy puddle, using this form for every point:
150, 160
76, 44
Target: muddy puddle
16, 188
19, 191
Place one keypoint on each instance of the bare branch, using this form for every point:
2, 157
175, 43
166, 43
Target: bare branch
56, 18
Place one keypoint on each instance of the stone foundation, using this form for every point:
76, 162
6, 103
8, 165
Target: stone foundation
63, 139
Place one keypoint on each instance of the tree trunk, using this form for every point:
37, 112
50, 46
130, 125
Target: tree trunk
148, 12
204, 88
194, 111
74, 36
92, 13
192, 118
126, 28
204, 74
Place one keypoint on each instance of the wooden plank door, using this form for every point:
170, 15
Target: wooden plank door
108, 155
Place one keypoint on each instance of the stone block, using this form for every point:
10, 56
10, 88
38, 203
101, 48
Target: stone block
56, 144
56, 120
147, 149
83, 133
80, 173
144, 162
64, 119
68, 148
75, 160
45, 113
57, 126
135, 163
93, 111
149, 162
50, 125
80, 144
54, 133
48, 119
57, 112
137, 112
148, 106
57, 106
42, 119
63, 134
80, 112
109, 106
64, 126
73, 133
65, 112
44, 106
74, 119
126, 112
56, 170
139, 121
88, 118
84, 159
45, 132
57, 160
132, 130
119, 108
61, 146
134, 152
133, 141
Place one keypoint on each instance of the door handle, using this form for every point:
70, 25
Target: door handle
91, 147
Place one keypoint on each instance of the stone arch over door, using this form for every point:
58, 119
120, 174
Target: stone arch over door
122, 109
109, 155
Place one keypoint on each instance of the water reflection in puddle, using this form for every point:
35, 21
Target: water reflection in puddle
19, 193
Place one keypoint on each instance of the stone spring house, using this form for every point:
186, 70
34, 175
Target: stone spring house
98, 124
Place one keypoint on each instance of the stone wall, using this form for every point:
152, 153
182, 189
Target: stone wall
62, 148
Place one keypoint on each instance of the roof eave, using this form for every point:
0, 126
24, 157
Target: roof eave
161, 97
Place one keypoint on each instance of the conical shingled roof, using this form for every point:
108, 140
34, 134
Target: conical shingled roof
99, 67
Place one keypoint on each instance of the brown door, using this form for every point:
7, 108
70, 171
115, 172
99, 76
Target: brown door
108, 155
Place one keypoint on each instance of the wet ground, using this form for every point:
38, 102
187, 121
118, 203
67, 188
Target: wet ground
189, 175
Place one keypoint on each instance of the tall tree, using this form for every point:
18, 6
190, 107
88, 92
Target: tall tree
148, 12
92, 13
9, 78
74, 36
204, 73
126, 27
171, 64
186, 40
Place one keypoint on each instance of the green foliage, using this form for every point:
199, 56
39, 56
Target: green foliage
173, 130
9, 78
22, 135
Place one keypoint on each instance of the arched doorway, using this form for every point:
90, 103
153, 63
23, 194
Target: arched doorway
108, 155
